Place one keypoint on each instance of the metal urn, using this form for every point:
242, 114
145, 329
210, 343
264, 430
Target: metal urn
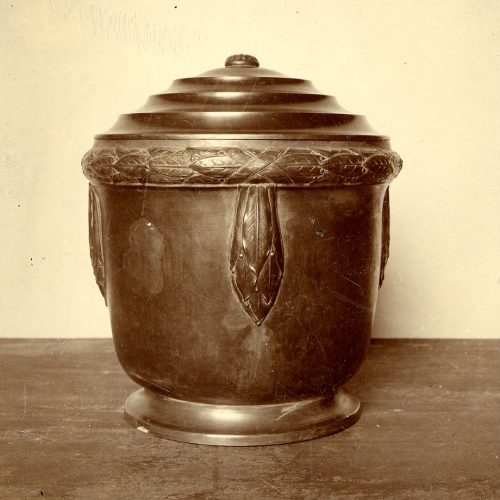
239, 229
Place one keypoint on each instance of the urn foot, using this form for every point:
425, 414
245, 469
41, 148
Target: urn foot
241, 425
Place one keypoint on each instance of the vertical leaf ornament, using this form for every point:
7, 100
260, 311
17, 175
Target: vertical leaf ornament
95, 240
386, 236
257, 252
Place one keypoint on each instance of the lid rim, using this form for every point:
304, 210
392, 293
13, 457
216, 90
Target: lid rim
327, 137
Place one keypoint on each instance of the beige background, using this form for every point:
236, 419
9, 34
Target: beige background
424, 72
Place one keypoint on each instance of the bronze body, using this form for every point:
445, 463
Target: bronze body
239, 229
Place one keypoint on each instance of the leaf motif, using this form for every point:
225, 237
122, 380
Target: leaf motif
241, 156
257, 308
216, 161
378, 164
100, 158
294, 173
269, 279
299, 158
256, 255
342, 160
243, 166
217, 167
257, 228
386, 236
246, 279
171, 174
133, 158
95, 240
217, 174
164, 158
130, 174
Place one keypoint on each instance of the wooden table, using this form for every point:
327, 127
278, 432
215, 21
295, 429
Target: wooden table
430, 429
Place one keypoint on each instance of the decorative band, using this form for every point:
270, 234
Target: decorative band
232, 166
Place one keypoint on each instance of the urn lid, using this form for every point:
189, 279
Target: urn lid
243, 101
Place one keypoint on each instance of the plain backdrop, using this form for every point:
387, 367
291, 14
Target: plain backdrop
424, 72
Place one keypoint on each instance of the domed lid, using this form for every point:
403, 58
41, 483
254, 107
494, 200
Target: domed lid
242, 101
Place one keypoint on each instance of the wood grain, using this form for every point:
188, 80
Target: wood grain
430, 429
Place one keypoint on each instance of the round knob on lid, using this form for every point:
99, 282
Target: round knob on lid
242, 61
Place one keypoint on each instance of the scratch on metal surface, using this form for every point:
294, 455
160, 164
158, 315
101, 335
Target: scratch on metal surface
251, 93
346, 278
320, 344
291, 408
350, 301
144, 196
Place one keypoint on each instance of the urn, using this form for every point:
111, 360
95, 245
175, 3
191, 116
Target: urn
239, 230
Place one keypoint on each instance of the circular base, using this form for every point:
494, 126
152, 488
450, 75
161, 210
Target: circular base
241, 425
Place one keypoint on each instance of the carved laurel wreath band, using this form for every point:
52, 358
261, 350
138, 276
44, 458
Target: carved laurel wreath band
230, 166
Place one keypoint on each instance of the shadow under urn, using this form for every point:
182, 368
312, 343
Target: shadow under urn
239, 230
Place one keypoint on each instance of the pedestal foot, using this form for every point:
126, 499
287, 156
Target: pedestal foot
241, 425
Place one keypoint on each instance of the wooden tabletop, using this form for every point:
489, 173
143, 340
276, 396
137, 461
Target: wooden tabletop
430, 429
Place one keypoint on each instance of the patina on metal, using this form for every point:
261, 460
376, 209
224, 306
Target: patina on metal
239, 230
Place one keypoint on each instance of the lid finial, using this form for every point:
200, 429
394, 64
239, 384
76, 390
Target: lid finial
242, 61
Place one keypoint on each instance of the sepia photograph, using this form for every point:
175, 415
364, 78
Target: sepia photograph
250, 250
